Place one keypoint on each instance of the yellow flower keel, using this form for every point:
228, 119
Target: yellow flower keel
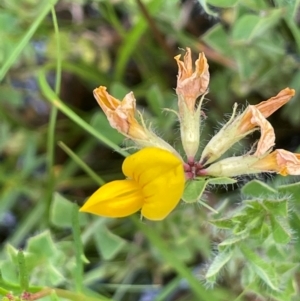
115, 199
155, 184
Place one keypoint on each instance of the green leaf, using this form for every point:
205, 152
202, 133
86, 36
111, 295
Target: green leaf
257, 189
287, 291
43, 245
232, 241
252, 26
257, 226
43, 259
194, 190
255, 5
222, 3
61, 212
100, 123
262, 268
118, 90
155, 99
277, 207
280, 230
286, 267
218, 263
222, 223
217, 38
244, 27
107, 243
291, 189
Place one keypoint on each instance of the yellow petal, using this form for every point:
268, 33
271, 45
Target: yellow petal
161, 177
115, 199
163, 194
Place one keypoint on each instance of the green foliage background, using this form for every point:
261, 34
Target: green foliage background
56, 148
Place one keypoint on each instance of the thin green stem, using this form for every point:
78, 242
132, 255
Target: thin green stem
78, 271
25, 39
53, 116
82, 164
54, 99
65, 294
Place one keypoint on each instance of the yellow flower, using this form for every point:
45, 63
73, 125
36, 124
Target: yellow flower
253, 118
121, 116
190, 85
155, 183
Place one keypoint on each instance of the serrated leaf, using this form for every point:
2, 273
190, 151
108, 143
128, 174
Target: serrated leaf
257, 189
107, 243
61, 212
218, 263
280, 230
263, 269
277, 207
193, 190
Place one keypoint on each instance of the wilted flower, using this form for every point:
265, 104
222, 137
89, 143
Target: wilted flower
191, 84
279, 161
262, 160
155, 183
253, 118
121, 116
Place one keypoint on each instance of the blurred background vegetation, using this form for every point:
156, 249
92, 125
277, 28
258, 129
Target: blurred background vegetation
56, 146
